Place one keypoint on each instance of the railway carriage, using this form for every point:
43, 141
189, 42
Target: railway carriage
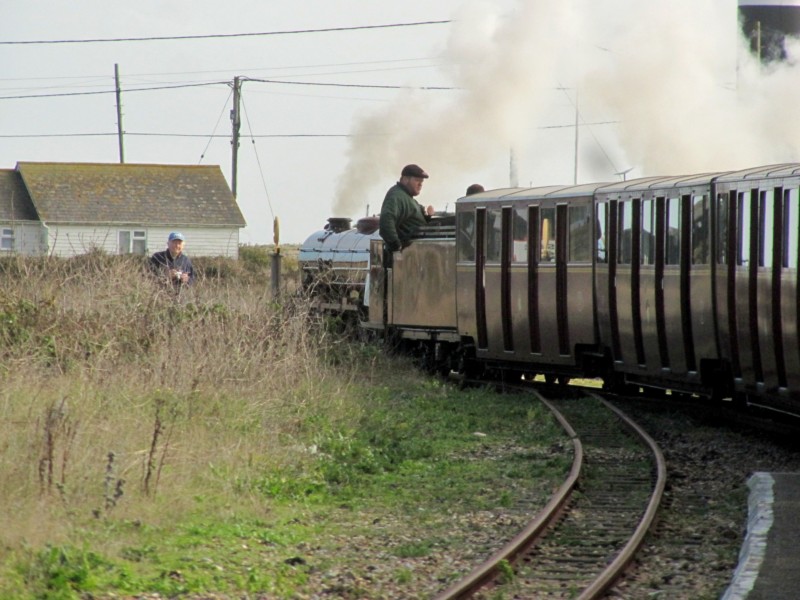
524, 278
681, 283
654, 291
756, 301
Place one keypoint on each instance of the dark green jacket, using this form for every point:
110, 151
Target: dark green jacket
401, 216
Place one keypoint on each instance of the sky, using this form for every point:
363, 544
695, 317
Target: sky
474, 91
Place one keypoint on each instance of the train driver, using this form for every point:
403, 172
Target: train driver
401, 214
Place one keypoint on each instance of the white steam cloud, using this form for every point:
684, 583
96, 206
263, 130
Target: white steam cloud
673, 77
672, 83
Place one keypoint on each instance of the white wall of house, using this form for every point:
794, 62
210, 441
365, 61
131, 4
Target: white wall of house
26, 238
71, 240
218, 241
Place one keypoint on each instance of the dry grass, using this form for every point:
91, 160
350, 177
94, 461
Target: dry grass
117, 396
222, 444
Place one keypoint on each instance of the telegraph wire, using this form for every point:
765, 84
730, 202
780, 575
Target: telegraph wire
352, 85
219, 35
214, 131
572, 125
258, 158
53, 135
112, 91
212, 83
253, 79
252, 135
102, 78
176, 135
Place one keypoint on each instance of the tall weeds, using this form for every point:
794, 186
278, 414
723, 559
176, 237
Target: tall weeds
120, 397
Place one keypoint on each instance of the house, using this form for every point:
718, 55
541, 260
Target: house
65, 209
20, 228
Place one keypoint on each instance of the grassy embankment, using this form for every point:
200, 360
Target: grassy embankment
180, 446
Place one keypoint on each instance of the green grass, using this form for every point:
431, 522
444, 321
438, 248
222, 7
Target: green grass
413, 450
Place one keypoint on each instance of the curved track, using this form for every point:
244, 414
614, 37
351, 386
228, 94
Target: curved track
588, 533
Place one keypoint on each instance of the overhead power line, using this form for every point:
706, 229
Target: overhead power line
572, 125
104, 77
187, 135
111, 91
189, 85
349, 85
227, 136
220, 35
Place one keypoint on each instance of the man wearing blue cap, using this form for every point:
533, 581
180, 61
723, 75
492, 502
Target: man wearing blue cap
172, 263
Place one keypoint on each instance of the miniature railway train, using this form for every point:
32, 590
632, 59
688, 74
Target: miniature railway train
671, 283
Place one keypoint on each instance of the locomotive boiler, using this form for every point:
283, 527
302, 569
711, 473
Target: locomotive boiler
334, 264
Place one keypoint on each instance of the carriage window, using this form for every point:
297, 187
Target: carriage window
580, 233
743, 214
494, 234
722, 229
625, 223
701, 234
648, 244
790, 224
672, 252
519, 250
602, 225
547, 235
465, 238
766, 218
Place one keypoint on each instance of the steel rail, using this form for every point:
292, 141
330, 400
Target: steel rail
606, 579
488, 569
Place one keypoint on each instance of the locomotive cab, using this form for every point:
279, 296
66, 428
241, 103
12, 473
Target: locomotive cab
412, 293
415, 288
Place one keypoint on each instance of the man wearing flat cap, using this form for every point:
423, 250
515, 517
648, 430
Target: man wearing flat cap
401, 214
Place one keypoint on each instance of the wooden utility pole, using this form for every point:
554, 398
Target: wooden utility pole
276, 259
119, 114
236, 121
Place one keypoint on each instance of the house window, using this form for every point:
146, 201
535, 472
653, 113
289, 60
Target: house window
132, 242
7, 240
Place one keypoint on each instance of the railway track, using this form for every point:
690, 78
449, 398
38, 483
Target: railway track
588, 533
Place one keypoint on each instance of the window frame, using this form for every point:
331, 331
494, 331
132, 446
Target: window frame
135, 237
7, 235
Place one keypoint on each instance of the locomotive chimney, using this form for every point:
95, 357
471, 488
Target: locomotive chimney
339, 224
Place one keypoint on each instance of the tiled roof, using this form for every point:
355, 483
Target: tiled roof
15, 203
130, 193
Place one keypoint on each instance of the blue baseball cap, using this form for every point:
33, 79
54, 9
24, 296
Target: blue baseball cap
176, 235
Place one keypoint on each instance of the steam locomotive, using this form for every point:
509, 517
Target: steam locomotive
686, 284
